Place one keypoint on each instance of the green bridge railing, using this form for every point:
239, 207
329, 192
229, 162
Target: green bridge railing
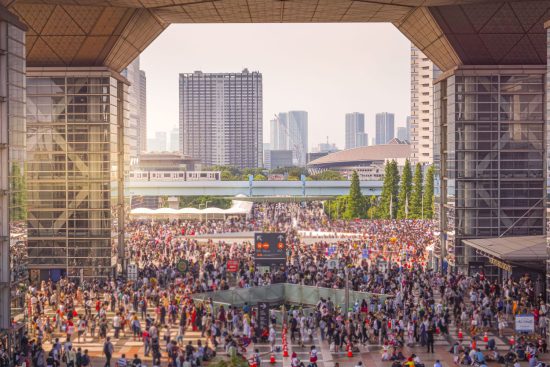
288, 293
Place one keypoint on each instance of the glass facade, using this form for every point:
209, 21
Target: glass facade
12, 183
489, 156
75, 125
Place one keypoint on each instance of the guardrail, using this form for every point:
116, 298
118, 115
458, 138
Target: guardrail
289, 293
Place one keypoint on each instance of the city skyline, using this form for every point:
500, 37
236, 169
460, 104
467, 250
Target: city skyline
360, 71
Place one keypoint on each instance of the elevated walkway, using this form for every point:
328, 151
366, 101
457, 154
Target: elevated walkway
288, 293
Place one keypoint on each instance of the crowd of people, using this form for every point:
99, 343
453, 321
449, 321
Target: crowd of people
384, 257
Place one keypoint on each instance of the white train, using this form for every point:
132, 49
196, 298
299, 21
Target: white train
175, 176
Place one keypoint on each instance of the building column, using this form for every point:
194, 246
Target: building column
12, 156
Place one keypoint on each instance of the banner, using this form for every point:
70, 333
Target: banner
525, 323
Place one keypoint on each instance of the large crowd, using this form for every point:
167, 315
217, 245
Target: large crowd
385, 257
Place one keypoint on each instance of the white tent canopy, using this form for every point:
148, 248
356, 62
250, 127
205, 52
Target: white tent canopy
238, 208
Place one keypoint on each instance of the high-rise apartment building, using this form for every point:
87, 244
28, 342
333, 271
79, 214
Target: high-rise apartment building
423, 73
355, 131
76, 164
136, 132
142, 136
289, 131
221, 117
385, 130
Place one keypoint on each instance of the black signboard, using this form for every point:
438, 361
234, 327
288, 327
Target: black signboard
263, 317
270, 250
270, 245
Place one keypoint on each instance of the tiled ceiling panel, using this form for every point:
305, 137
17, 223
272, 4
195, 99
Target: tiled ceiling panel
450, 32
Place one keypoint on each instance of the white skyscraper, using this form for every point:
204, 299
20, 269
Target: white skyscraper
355, 130
221, 117
279, 132
289, 131
385, 130
423, 72
298, 136
175, 139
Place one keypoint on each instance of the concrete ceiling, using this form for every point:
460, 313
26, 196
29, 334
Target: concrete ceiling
450, 32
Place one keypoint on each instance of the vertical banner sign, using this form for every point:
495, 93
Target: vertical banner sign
270, 249
263, 317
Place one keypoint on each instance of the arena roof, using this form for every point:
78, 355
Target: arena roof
363, 155
450, 32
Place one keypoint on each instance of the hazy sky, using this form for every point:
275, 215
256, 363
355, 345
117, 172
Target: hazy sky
325, 69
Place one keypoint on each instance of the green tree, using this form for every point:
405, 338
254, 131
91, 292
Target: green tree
356, 204
390, 191
200, 202
404, 191
428, 202
260, 177
328, 175
416, 196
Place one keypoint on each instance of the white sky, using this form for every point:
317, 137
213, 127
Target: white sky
325, 69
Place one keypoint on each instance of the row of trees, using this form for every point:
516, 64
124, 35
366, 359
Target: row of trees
230, 173
405, 196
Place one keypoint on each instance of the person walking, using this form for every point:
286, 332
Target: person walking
430, 341
108, 350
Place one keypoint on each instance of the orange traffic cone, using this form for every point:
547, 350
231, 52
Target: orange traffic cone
285, 350
350, 352
460, 335
272, 358
485, 337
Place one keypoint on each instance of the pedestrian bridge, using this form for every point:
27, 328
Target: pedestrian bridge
289, 294
253, 188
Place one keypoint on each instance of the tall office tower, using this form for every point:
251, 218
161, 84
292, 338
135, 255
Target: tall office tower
385, 130
355, 126
76, 164
423, 73
402, 133
279, 132
298, 136
221, 117
158, 143
142, 112
175, 139
361, 140
489, 147
136, 131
